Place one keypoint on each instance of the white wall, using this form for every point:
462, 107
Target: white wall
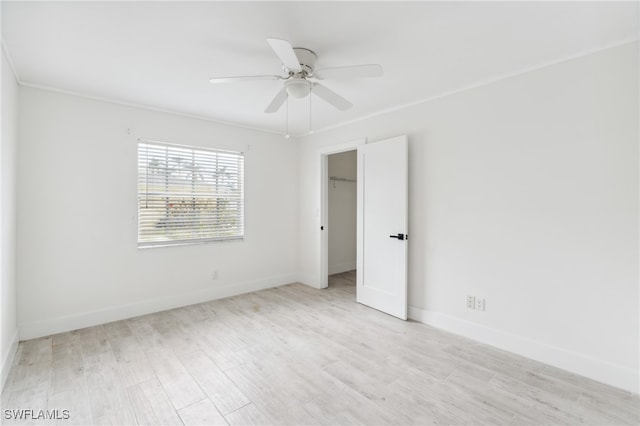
78, 264
523, 192
8, 315
342, 212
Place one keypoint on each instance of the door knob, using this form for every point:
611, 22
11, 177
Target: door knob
399, 236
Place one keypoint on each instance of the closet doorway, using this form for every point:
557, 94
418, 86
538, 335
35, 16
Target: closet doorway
342, 194
338, 244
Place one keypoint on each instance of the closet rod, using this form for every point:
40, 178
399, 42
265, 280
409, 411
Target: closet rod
339, 179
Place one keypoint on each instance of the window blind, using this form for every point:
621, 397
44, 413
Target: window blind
188, 194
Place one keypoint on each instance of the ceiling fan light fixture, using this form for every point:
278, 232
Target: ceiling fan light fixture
298, 87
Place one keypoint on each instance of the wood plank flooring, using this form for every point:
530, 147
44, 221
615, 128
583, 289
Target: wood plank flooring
294, 355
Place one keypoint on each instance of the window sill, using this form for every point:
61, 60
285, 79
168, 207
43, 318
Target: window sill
144, 246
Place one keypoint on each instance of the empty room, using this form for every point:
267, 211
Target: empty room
320, 213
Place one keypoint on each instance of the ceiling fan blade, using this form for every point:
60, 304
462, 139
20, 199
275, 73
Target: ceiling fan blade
216, 80
277, 102
286, 53
355, 71
331, 97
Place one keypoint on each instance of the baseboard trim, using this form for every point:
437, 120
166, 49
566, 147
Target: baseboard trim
342, 267
35, 329
602, 371
7, 360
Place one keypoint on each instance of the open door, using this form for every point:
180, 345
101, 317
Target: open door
382, 225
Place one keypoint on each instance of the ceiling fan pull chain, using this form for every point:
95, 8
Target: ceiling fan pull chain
310, 126
286, 136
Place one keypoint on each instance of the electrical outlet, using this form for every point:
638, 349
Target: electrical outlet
479, 304
471, 302
214, 275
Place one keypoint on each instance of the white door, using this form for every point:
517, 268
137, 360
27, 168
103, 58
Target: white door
382, 226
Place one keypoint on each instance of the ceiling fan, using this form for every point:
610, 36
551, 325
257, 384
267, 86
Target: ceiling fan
299, 64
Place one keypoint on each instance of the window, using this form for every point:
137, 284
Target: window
188, 195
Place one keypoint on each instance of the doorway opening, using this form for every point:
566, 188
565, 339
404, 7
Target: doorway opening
342, 169
339, 213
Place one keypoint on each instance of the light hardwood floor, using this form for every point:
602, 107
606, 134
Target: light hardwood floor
295, 355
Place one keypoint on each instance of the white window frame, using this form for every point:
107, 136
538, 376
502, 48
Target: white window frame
148, 236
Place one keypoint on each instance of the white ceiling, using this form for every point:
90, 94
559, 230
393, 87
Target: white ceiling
162, 54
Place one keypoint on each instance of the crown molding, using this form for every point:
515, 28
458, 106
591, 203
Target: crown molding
486, 82
20, 82
147, 107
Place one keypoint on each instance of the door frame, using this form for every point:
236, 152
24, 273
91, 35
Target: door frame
323, 161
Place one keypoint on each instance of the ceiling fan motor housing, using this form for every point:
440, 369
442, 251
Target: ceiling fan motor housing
307, 59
